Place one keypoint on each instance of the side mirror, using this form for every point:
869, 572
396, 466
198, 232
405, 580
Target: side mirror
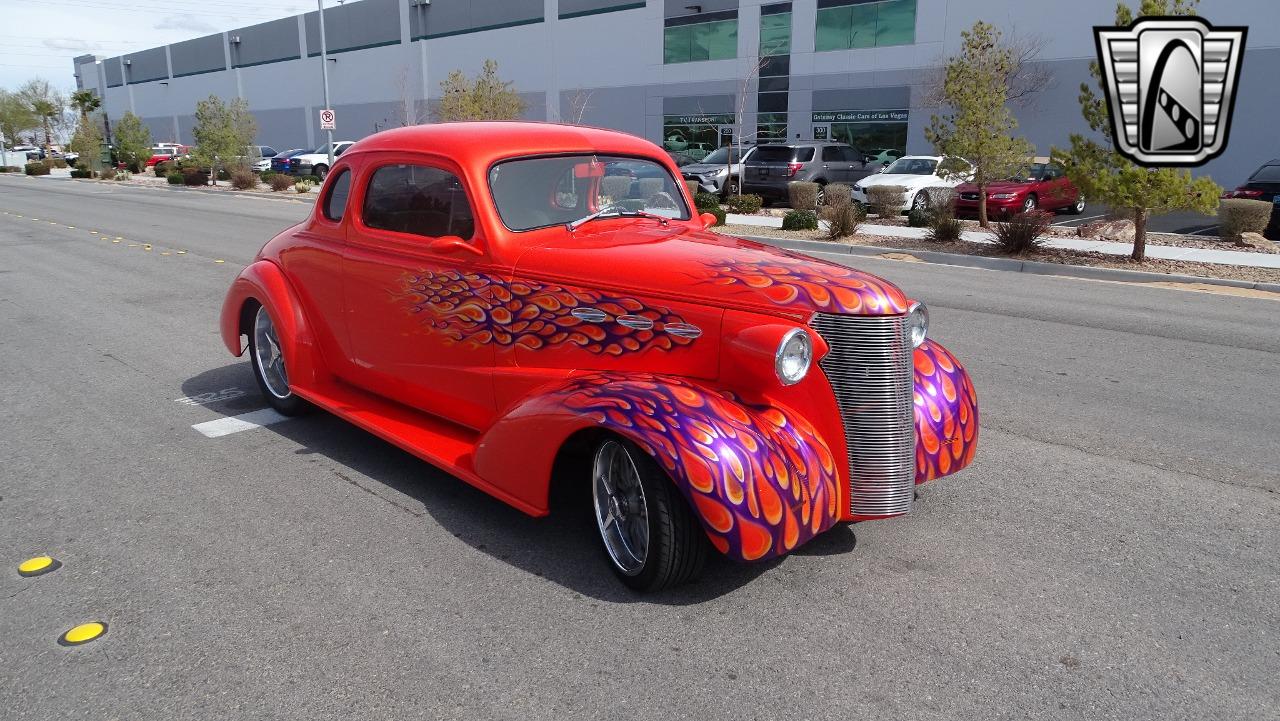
450, 243
708, 220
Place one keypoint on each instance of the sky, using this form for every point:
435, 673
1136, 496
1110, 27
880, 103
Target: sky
38, 38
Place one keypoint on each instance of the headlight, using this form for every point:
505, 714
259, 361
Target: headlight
1003, 196
918, 323
795, 352
857, 188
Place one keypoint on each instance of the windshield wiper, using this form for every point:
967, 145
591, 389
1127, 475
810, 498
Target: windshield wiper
620, 211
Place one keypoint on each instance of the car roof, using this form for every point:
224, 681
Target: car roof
485, 142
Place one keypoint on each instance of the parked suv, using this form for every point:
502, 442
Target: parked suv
1264, 185
714, 174
772, 167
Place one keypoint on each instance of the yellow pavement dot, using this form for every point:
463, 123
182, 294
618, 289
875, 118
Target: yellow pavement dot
38, 566
71, 227
53, 222
164, 252
219, 261
94, 232
35, 219
182, 252
133, 245
84, 633
117, 240
146, 246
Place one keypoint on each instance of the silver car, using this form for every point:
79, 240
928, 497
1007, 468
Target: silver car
716, 173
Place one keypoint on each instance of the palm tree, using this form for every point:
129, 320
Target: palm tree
86, 101
45, 102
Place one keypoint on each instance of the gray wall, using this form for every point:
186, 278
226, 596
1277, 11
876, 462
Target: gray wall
265, 43
146, 66
614, 60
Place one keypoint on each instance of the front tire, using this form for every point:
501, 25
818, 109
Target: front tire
649, 534
321, 171
921, 201
1078, 207
267, 355
1030, 203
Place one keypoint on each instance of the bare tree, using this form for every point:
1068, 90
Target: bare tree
408, 111
1026, 80
751, 74
578, 106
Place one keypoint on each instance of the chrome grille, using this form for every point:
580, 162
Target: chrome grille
969, 196
870, 370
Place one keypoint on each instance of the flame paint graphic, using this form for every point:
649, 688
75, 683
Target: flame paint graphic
483, 309
812, 285
763, 480
946, 413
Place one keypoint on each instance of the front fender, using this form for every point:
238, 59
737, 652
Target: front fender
760, 479
946, 413
265, 283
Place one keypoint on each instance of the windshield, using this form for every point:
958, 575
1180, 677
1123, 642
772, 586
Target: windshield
1036, 172
1267, 174
912, 166
540, 192
720, 156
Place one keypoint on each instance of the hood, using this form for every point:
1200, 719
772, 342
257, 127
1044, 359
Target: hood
896, 179
643, 257
700, 168
1000, 186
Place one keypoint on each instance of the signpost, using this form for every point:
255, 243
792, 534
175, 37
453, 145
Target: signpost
324, 73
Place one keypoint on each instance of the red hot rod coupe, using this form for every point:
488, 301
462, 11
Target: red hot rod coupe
514, 302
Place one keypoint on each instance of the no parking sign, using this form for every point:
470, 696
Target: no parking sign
328, 120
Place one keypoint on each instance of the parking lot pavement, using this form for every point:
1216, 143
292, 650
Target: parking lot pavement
1111, 554
1181, 222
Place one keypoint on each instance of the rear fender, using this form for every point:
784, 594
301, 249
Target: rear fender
264, 283
760, 479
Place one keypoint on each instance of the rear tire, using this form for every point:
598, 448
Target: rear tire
649, 535
1078, 207
266, 352
321, 171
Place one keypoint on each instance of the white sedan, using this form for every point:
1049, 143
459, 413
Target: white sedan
915, 174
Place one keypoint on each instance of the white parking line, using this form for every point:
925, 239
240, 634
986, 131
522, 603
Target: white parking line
243, 422
1079, 220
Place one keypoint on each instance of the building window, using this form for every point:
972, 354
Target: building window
696, 136
845, 24
881, 134
775, 33
771, 128
688, 40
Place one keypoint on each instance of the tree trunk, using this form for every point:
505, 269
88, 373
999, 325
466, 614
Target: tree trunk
982, 205
1139, 234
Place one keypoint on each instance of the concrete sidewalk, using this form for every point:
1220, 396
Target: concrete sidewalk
1164, 252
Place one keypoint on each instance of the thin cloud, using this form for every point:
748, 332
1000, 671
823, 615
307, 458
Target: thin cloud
185, 22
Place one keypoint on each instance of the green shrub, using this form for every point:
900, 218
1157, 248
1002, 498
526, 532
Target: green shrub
81, 173
1243, 216
803, 195
162, 168
800, 220
175, 177
36, 168
1023, 231
919, 218
58, 162
224, 174
122, 175
280, 182
843, 220
9, 169
108, 174
886, 201
745, 204
195, 176
837, 194
242, 179
706, 201
267, 175
304, 185
944, 228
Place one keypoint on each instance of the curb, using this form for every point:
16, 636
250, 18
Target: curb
1010, 264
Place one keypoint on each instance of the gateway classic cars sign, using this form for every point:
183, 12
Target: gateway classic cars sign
860, 116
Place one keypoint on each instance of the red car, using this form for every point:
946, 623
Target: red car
497, 300
167, 153
1044, 187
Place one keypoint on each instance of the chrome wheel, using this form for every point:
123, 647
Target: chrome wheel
1029, 204
1078, 208
268, 356
622, 513
921, 201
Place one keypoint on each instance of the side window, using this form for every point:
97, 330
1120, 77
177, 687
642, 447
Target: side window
804, 155
419, 200
335, 203
832, 153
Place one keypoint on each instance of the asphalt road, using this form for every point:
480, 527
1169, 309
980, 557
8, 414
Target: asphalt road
1112, 553
1181, 222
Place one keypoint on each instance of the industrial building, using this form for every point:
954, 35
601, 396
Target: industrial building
678, 72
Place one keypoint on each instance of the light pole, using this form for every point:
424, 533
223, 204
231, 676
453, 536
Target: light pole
324, 73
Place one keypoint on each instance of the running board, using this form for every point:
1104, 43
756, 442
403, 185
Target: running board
446, 445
